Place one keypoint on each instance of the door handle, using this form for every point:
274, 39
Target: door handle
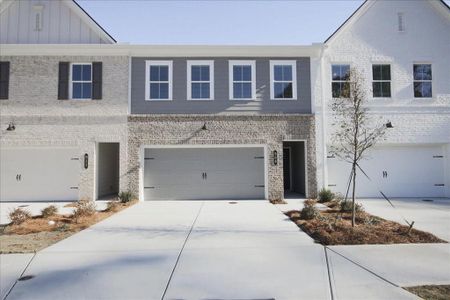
385, 174
206, 176
19, 177
203, 175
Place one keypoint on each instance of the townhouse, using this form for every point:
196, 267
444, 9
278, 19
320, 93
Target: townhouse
83, 117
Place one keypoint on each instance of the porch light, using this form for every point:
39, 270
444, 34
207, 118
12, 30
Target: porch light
275, 157
389, 125
11, 127
204, 127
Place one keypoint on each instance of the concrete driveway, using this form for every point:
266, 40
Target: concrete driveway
432, 215
193, 250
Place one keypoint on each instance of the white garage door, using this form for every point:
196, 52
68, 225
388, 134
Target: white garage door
204, 173
397, 171
39, 174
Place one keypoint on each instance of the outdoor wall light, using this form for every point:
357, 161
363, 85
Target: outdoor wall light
389, 124
86, 160
275, 157
204, 127
11, 127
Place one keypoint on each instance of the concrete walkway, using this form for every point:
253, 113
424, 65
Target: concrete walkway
195, 250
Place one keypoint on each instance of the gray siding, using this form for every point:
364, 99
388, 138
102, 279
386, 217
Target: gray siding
221, 102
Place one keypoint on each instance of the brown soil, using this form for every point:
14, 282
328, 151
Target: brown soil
36, 234
431, 292
333, 227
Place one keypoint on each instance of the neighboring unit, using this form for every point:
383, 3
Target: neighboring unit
405, 61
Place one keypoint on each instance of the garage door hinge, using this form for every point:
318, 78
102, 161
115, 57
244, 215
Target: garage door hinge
74, 188
75, 158
331, 185
149, 158
439, 184
438, 156
149, 187
259, 157
331, 156
259, 185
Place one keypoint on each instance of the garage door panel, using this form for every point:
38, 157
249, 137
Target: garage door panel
46, 174
397, 171
204, 173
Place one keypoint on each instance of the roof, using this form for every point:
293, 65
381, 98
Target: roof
358, 10
110, 38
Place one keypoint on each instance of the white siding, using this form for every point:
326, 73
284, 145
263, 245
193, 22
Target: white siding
61, 21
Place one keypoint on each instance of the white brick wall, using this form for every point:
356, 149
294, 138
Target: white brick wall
43, 121
373, 38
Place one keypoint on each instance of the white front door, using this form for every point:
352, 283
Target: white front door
397, 171
39, 174
204, 173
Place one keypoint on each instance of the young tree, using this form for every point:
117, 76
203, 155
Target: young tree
355, 129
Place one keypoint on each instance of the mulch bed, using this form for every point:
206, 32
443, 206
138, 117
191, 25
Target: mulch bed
431, 292
333, 227
36, 233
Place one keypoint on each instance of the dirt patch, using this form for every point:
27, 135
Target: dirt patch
431, 292
333, 227
38, 233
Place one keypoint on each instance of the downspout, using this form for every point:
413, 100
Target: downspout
323, 117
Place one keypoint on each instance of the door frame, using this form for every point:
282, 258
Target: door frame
200, 146
290, 166
305, 159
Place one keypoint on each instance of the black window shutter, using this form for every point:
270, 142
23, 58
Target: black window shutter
4, 80
97, 80
63, 81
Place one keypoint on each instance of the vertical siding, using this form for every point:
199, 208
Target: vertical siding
61, 24
222, 102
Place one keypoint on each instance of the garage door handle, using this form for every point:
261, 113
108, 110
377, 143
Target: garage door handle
206, 176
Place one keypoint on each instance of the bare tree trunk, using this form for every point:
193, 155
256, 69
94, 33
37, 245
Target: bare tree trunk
353, 196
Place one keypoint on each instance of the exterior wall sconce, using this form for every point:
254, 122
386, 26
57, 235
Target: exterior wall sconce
389, 124
11, 127
204, 127
86, 160
275, 157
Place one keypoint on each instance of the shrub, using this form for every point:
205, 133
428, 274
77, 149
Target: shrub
19, 215
84, 208
346, 206
125, 197
49, 211
309, 212
112, 206
325, 195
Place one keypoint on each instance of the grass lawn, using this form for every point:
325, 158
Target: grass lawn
431, 292
37, 233
333, 227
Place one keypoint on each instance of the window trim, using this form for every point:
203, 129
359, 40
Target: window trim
191, 63
148, 64
293, 64
81, 81
331, 75
231, 64
430, 81
390, 81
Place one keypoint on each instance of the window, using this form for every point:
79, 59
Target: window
340, 81
422, 81
81, 81
242, 80
158, 80
283, 78
381, 84
200, 76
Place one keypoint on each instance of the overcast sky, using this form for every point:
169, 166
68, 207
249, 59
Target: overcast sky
295, 22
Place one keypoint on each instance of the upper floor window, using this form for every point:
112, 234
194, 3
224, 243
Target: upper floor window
422, 81
200, 76
381, 84
340, 86
81, 81
242, 80
158, 80
283, 80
